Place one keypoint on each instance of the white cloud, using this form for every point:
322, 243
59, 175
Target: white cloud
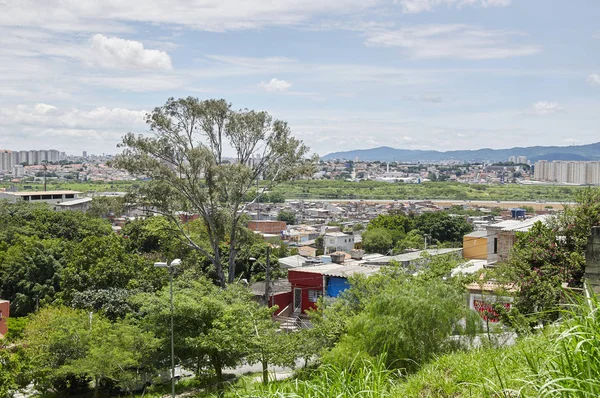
43, 108
113, 52
544, 108
49, 116
275, 85
594, 79
416, 6
211, 15
451, 41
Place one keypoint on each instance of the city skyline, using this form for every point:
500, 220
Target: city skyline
414, 74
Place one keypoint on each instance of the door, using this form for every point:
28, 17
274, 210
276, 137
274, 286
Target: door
297, 299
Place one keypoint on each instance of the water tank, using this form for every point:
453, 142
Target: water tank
517, 213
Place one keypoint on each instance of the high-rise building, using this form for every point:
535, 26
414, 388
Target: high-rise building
53, 155
512, 159
23, 157
34, 157
7, 160
521, 159
573, 172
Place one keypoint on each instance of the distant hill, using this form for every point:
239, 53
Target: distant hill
534, 153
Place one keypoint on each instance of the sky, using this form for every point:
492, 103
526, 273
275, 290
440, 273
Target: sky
76, 75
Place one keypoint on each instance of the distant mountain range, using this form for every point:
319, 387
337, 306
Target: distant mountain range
533, 153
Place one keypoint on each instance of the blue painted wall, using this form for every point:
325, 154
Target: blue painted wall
336, 285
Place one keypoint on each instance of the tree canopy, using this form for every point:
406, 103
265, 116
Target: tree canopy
186, 160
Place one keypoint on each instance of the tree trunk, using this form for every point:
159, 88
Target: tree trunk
265, 372
97, 388
218, 265
232, 253
218, 371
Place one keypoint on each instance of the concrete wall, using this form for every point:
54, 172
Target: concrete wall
506, 240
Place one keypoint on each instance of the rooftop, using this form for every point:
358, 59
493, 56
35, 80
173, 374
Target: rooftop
336, 234
520, 225
292, 261
277, 286
341, 270
28, 193
74, 202
477, 234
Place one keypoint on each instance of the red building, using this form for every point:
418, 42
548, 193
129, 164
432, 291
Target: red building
309, 283
267, 226
4, 313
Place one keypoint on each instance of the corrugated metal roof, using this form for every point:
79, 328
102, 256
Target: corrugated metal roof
341, 270
292, 261
477, 234
520, 225
74, 202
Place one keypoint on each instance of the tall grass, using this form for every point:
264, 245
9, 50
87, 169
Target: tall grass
572, 368
369, 379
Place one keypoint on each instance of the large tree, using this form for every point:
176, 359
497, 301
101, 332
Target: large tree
186, 158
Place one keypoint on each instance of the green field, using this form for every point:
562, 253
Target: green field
431, 190
343, 190
94, 186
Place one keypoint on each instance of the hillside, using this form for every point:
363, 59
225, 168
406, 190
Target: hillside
535, 153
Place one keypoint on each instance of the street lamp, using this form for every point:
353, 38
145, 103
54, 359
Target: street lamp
171, 268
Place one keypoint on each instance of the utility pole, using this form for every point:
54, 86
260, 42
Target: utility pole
267, 276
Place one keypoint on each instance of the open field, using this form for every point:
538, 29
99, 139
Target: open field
431, 190
85, 187
537, 196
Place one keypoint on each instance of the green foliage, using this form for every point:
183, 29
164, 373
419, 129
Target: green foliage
214, 327
548, 256
30, 272
377, 240
288, 216
413, 240
368, 379
34, 247
68, 347
443, 227
107, 206
406, 320
184, 160
397, 224
331, 189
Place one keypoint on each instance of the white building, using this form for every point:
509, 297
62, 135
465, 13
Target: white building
18, 171
50, 197
338, 240
573, 172
7, 160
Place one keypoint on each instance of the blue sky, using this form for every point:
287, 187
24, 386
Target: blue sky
346, 74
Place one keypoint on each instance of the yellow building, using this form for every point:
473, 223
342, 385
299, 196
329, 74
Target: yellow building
475, 246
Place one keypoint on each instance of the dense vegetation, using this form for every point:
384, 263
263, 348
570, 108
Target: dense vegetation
69, 276
327, 189
344, 190
91, 312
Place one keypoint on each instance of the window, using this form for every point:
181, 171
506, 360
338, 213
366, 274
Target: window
69, 196
313, 295
35, 197
56, 196
46, 197
495, 245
